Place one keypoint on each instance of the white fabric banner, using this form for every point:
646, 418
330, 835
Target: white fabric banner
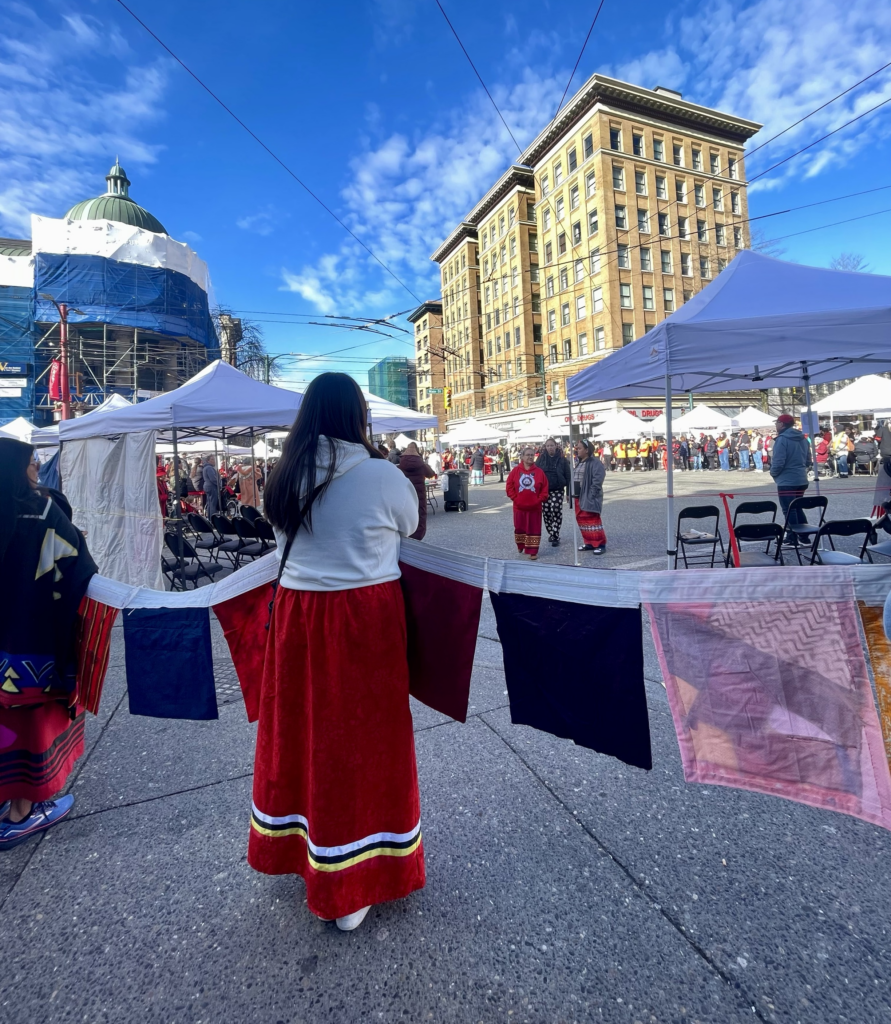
113, 491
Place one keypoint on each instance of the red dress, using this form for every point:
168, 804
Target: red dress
527, 489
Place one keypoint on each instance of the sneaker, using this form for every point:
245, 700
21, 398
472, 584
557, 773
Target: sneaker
43, 816
586, 547
601, 550
4, 809
352, 921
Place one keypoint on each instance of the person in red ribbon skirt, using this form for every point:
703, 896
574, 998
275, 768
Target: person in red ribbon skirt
336, 785
587, 481
527, 488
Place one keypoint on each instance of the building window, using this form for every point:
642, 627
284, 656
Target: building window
592, 222
485, 240
590, 184
722, 264
533, 275
719, 234
702, 231
668, 300
717, 199
545, 187
579, 270
683, 227
567, 349
561, 243
536, 304
686, 264
513, 245
734, 202
559, 207
697, 159
530, 210
572, 160
627, 334
577, 232
497, 317
615, 138
595, 261
549, 252
549, 287
596, 300
489, 348
507, 339
500, 226
564, 279
664, 226
648, 302
552, 355
516, 305
599, 339
517, 342
498, 343
509, 369
621, 218
623, 259
558, 173
564, 315
519, 362
488, 321
646, 260
699, 193
732, 167
580, 311
705, 270
574, 197
588, 145
625, 296
677, 151
680, 190
546, 218
618, 177
661, 187
514, 275
658, 150
637, 144
714, 163
555, 390
666, 262
552, 320
640, 182
737, 238
583, 344
643, 221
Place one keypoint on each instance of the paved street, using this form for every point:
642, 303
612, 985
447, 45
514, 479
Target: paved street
563, 886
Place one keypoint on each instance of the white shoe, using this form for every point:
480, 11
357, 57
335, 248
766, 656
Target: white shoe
352, 921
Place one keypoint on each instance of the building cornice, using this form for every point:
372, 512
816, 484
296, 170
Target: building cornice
670, 109
433, 306
462, 231
516, 176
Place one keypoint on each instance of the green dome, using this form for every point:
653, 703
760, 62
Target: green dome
116, 205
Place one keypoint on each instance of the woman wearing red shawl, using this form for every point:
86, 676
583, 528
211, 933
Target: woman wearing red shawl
527, 488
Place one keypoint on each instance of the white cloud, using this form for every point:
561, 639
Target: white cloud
60, 128
262, 223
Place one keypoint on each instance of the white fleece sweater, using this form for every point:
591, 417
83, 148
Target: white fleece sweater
356, 525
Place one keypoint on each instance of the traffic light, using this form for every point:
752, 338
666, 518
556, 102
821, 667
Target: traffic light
448, 398
549, 399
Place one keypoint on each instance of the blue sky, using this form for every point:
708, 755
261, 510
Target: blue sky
373, 105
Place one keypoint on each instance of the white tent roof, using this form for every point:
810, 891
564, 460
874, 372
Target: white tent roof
50, 435
389, 418
218, 397
471, 431
752, 327
19, 428
751, 418
540, 427
701, 418
867, 394
620, 427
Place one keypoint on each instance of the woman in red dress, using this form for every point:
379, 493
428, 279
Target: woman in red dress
527, 488
335, 784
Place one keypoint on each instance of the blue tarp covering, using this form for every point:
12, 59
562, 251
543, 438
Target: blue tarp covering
109, 291
17, 348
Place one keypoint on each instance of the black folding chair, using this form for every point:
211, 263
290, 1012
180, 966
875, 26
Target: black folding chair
230, 544
803, 534
247, 534
843, 528
881, 547
206, 538
251, 514
192, 570
698, 538
760, 533
265, 534
752, 508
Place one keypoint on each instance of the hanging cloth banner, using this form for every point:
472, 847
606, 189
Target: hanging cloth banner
54, 380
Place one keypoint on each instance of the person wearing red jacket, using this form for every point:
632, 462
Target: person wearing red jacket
527, 488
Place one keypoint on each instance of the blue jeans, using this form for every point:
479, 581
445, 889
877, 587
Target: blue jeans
787, 495
697, 462
758, 458
744, 458
841, 463
724, 458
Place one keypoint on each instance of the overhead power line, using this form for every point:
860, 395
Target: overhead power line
261, 143
478, 75
578, 61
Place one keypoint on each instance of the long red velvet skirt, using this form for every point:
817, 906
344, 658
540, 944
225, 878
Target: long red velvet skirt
590, 527
527, 529
335, 783
38, 748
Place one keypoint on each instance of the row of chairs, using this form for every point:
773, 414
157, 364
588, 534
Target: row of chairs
814, 540
240, 538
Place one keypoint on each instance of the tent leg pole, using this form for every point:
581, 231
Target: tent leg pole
177, 518
669, 474
576, 533
806, 377
254, 471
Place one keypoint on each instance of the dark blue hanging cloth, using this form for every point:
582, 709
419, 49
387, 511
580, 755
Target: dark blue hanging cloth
576, 671
170, 663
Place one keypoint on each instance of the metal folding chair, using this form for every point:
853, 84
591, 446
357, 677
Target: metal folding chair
752, 508
804, 532
842, 528
698, 538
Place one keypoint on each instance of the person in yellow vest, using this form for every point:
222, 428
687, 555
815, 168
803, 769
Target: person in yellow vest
621, 451
632, 456
644, 450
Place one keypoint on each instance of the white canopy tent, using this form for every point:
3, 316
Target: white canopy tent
50, 435
471, 431
762, 323
540, 428
871, 393
621, 427
19, 429
702, 417
752, 419
388, 418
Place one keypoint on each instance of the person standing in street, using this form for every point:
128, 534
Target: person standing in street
553, 464
742, 447
527, 488
335, 792
210, 484
587, 480
789, 463
477, 465
418, 473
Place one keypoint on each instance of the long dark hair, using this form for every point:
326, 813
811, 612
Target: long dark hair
16, 491
333, 407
